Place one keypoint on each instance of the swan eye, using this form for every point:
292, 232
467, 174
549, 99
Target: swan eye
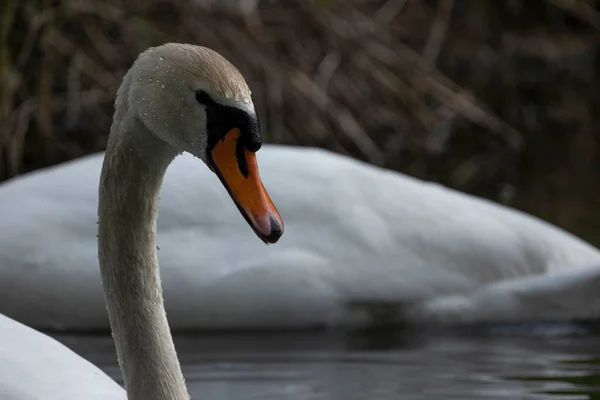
203, 98
221, 118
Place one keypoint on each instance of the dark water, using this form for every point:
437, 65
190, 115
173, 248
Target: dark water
517, 362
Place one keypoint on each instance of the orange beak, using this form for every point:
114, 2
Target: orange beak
237, 169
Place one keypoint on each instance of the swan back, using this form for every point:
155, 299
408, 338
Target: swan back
35, 366
354, 232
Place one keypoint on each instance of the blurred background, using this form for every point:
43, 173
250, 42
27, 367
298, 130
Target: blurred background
493, 98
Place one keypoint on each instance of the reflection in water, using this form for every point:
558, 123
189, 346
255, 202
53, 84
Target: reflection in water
579, 383
510, 362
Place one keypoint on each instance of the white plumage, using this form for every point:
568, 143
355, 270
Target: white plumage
355, 234
35, 366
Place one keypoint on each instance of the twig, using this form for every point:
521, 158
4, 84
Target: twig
579, 9
327, 68
345, 121
438, 31
389, 11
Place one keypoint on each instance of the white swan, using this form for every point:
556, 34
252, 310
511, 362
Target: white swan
175, 98
34, 366
356, 233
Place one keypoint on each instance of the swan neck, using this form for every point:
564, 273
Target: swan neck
134, 165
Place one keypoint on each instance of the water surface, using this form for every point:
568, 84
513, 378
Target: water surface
553, 361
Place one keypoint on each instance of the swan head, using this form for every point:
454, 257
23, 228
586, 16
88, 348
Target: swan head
196, 101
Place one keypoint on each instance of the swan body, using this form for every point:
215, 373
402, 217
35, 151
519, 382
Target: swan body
355, 234
35, 366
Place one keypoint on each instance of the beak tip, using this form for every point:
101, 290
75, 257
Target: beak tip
275, 231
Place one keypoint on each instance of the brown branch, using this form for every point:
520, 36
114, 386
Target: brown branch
579, 9
438, 31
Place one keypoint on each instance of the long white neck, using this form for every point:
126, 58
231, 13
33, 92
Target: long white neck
134, 166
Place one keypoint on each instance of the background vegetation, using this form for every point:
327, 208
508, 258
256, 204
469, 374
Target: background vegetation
495, 98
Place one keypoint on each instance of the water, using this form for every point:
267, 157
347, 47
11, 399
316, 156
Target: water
518, 362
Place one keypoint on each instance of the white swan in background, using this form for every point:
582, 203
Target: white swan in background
355, 234
34, 366
175, 98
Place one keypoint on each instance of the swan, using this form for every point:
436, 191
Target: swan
34, 366
358, 235
174, 98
